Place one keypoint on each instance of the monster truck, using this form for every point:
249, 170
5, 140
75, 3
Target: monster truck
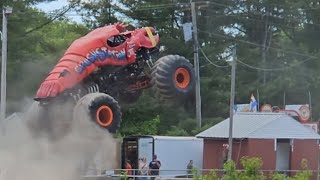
109, 66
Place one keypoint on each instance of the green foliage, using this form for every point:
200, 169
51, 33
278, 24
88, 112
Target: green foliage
211, 176
230, 171
140, 126
252, 167
195, 174
35, 44
305, 173
124, 175
97, 13
279, 176
251, 171
269, 35
176, 131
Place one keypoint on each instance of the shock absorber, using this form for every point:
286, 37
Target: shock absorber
93, 88
147, 57
80, 92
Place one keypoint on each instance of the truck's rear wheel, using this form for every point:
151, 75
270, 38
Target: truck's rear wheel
102, 109
34, 120
173, 77
60, 119
53, 120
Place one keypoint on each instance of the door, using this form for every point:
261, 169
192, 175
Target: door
134, 148
146, 148
283, 155
130, 152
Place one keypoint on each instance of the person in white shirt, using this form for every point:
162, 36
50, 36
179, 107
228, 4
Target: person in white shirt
143, 167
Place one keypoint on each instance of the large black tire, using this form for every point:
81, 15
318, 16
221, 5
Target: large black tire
60, 119
89, 132
34, 120
103, 110
173, 78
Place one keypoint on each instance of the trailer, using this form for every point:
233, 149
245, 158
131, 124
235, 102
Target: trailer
174, 152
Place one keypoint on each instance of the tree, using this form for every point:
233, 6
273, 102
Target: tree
276, 49
35, 43
97, 13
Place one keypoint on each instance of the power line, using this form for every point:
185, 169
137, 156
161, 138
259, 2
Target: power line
243, 17
270, 15
256, 20
160, 6
51, 20
142, 17
274, 69
154, 17
253, 67
163, 6
301, 9
259, 45
210, 62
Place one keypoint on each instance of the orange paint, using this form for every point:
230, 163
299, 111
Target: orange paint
104, 116
182, 78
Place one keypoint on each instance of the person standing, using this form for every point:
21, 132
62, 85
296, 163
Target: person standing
154, 167
143, 169
190, 168
128, 168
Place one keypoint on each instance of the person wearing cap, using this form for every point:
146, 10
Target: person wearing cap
154, 167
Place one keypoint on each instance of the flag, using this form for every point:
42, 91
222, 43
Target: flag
253, 104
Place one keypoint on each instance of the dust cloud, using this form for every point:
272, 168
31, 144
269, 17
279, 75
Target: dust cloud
85, 150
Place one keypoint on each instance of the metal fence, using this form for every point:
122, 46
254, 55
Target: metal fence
117, 174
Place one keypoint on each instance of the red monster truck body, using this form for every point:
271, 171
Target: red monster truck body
92, 51
106, 67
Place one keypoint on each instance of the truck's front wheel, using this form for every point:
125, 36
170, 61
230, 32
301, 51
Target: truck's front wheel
173, 77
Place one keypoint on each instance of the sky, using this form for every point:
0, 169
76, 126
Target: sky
50, 6
58, 4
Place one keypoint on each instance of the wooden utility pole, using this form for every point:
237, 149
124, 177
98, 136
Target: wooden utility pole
196, 62
233, 81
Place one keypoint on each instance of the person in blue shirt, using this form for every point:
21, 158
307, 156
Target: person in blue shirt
154, 167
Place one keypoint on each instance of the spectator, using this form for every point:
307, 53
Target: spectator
143, 167
154, 167
225, 150
128, 169
189, 168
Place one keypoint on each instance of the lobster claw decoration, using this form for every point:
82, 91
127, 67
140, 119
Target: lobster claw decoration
121, 26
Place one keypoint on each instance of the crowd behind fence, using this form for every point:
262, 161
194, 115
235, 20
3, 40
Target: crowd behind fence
116, 174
